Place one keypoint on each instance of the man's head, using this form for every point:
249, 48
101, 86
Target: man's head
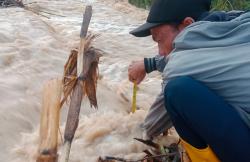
167, 18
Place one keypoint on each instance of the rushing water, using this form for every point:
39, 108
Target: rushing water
33, 49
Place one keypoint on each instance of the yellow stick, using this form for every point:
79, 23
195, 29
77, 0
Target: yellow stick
134, 98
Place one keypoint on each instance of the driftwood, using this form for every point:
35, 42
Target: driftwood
49, 123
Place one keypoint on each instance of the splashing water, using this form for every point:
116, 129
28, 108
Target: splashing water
33, 50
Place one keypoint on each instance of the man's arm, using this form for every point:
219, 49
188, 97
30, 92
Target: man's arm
137, 69
157, 120
155, 63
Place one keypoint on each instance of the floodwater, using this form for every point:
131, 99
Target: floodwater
34, 49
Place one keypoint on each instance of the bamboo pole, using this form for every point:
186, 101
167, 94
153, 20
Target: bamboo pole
76, 99
49, 123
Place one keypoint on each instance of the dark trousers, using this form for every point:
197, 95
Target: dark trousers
202, 118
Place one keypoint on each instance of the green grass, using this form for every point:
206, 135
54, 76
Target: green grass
216, 4
141, 3
228, 5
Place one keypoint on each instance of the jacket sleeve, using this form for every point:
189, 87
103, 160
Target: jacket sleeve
156, 63
157, 120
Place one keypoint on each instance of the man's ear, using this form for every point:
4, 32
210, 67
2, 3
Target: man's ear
186, 22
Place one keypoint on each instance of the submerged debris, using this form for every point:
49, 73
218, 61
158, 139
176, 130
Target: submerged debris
11, 3
36, 10
157, 153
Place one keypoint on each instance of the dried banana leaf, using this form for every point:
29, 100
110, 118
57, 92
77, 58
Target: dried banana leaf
89, 75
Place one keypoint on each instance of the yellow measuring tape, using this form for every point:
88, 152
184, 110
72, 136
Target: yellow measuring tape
134, 98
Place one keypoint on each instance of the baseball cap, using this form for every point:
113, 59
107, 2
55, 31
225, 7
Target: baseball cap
171, 11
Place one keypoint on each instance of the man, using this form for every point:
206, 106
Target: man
205, 62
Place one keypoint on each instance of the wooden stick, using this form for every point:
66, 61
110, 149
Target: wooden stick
76, 99
72, 120
85, 24
49, 123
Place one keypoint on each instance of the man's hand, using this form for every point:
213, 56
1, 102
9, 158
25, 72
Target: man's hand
136, 71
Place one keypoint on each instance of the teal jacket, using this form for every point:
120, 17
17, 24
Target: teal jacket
215, 53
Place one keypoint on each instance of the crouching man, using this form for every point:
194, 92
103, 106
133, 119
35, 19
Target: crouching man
204, 58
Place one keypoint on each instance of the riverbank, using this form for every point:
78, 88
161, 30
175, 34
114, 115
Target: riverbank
216, 4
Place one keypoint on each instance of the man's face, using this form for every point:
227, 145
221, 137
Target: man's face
164, 35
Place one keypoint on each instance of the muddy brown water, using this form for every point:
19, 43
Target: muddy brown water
33, 50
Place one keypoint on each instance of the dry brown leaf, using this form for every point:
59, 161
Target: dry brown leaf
89, 76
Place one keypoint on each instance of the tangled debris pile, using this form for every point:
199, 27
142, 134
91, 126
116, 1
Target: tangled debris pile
28, 6
156, 153
11, 3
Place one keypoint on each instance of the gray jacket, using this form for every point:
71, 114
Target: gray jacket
215, 53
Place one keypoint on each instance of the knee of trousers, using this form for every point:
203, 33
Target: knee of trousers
176, 90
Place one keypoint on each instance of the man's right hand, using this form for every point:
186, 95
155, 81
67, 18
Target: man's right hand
136, 71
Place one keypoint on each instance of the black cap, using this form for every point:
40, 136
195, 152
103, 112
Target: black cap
171, 11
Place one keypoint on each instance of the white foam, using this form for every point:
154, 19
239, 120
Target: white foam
33, 49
